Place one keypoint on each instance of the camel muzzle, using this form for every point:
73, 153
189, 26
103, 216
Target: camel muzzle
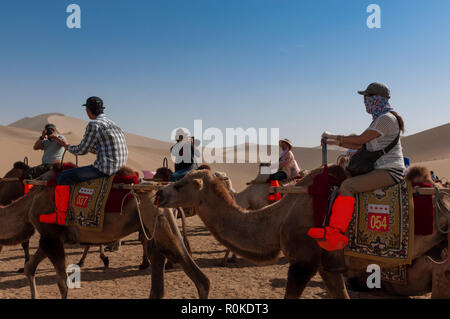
159, 198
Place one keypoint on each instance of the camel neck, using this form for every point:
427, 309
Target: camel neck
251, 234
13, 217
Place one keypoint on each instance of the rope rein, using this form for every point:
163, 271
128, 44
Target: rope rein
138, 203
441, 210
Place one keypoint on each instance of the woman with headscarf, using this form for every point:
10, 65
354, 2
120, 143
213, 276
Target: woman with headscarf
382, 134
288, 166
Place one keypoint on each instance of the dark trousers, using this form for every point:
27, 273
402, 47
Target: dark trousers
278, 176
79, 174
35, 172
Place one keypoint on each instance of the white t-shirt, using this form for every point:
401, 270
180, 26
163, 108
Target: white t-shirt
388, 126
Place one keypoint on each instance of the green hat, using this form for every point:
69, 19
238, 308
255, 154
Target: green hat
50, 127
379, 89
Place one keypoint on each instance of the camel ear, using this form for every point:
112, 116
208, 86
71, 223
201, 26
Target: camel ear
198, 183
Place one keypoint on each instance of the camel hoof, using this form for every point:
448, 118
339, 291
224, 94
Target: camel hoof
105, 262
169, 265
21, 271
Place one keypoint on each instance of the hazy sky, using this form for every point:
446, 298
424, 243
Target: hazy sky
294, 64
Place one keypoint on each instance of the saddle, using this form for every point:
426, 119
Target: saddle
383, 223
90, 200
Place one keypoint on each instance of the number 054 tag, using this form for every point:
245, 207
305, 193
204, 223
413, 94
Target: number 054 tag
378, 218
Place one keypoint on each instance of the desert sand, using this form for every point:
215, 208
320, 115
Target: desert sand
124, 280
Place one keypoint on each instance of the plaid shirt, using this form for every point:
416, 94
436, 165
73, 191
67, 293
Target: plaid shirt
105, 138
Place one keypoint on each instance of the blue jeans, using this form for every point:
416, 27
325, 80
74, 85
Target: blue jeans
79, 174
178, 175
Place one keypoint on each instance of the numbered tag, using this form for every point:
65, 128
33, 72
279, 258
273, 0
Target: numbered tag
379, 217
83, 197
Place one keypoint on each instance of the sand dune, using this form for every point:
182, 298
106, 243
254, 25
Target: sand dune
429, 145
430, 148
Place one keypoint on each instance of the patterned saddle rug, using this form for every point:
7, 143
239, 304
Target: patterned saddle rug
87, 203
382, 226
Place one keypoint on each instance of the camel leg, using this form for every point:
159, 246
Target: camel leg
225, 258
30, 270
26, 250
299, 274
196, 275
157, 261
103, 257
54, 249
335, 284
83, 258
145, 263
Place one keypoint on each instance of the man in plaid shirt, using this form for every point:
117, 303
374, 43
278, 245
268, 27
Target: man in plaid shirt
104, 138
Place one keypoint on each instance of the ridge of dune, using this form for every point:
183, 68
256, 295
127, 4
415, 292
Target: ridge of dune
428, 145
35, 123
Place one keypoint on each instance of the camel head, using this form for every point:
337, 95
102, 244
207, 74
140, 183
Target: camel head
192, 190
419, 174
10, 191
18, 170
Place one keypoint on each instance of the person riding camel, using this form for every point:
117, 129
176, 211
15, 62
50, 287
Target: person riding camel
388, 170
53, 152
288, 166
102, 137
183, 152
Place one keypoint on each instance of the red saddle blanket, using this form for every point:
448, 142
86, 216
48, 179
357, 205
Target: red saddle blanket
114, 203
423, 212
320, 191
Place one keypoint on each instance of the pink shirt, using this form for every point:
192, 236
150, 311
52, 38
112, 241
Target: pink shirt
289, 165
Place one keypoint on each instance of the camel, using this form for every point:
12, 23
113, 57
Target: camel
21, 217
10, 191
254, 196
261, 235
426, 270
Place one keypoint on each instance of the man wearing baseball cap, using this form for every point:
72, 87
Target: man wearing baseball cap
53, 151
104, 138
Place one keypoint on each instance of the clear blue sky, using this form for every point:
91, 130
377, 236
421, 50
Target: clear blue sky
291, 64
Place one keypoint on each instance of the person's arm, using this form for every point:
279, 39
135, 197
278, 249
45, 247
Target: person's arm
354, 142
38, 145
345, 145
88, 142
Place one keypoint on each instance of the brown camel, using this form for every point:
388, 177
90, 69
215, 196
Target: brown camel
429, 268
22, 217
10, 191
254, 196
259, 236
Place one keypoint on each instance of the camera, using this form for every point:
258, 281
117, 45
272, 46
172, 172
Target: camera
49, 131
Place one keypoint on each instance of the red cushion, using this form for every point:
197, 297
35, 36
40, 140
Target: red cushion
423, 212
114, 203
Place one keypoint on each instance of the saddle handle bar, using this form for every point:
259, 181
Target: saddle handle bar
324, 151
62, 159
